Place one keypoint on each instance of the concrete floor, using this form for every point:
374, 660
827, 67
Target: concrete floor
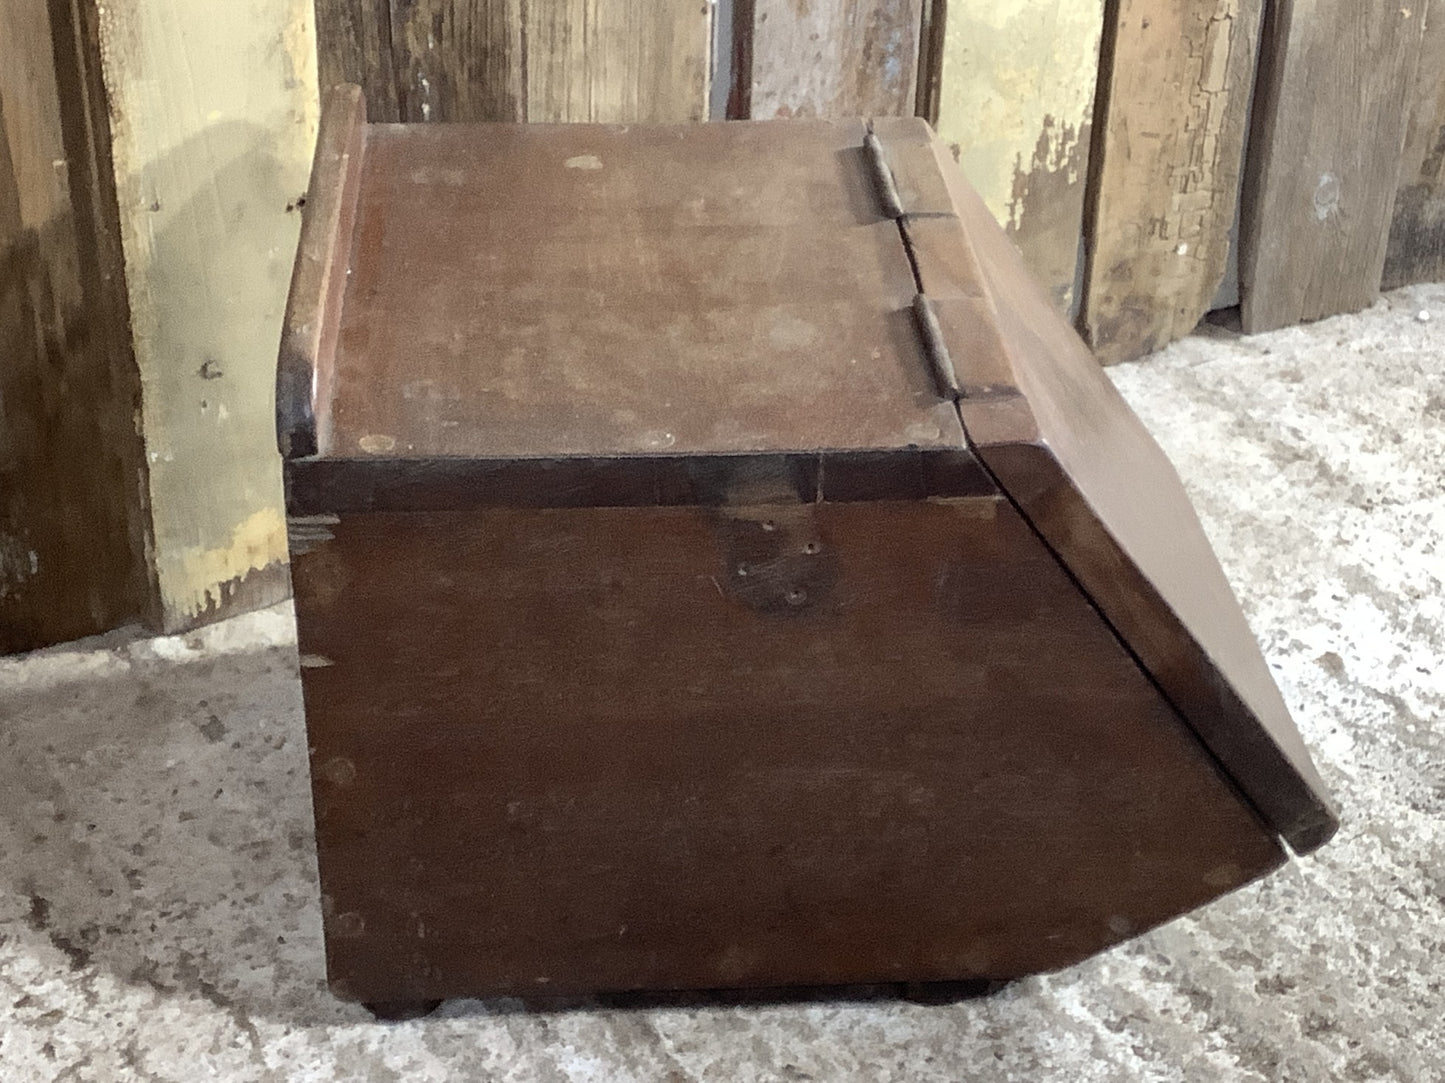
158, 906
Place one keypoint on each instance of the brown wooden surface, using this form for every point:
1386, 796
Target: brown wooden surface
318, 280
321, 485
844, 58
1417, 235
536, 290
874, 742
1167, 168
616, 61
73, 522
1330, 116
1063, 444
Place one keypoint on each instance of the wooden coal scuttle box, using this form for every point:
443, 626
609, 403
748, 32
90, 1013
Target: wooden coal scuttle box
716, 565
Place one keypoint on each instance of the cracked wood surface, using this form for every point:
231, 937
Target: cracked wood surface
1168, 170
506, 60
213, 121
1330, 115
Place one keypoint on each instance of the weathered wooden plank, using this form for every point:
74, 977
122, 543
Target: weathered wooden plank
618, 61
842, 59
1167, 169
217, 112
1417, 237
354, 45
930, 59
1329, 128
1016, 101
475, 60
72, 476
458, 60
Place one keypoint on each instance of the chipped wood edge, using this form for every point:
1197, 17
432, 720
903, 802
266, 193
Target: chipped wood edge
1017, 90
313, 306
307, 532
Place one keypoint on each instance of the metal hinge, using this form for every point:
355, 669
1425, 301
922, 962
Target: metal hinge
924, 314
934, 346
883, 176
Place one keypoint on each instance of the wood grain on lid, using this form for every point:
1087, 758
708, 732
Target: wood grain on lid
598, 290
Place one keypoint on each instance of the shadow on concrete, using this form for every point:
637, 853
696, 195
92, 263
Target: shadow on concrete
156, 832
155, 825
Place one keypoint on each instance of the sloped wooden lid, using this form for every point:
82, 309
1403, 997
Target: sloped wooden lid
517, 291
1064, 446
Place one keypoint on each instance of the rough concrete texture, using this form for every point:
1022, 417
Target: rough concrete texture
158, 906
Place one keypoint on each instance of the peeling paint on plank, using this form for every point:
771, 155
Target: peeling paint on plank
1016, 101
214, 113
1168, 170
1047, 206
218, 576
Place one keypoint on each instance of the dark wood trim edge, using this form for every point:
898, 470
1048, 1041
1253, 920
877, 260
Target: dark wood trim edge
740, 93
1284, 789
313, 307
929, 83
330, 486
1094, 177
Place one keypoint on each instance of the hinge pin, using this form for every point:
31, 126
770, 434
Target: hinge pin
936, 348
883, 177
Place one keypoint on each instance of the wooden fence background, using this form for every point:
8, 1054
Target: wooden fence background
1153, 160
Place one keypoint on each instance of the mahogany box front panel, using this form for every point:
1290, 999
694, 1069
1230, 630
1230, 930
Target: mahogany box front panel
561, 750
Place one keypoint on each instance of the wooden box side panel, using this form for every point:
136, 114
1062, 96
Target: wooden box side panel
563, 750
1061, 441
